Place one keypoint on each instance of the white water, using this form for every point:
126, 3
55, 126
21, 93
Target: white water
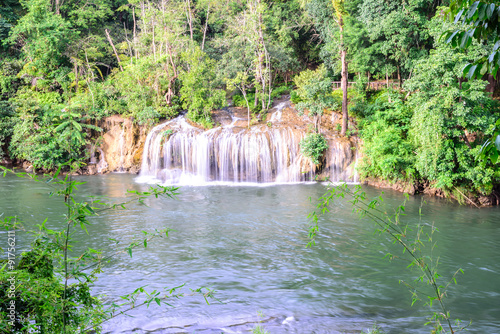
178, 153
276, 116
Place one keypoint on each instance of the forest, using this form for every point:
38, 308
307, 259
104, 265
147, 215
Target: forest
66, 64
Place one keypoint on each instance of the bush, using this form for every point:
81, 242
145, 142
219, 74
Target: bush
239, 101
199, 93
314, 92
294, 97
388, 152
313, 145
148, 116
7, 123
281, 90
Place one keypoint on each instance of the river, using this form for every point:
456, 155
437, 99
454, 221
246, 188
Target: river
248, 243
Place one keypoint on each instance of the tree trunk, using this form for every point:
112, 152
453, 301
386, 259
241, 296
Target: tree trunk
114, 49
205, 29
387, 77
345, 116
189, 17
338, 5
343, 83
153, 23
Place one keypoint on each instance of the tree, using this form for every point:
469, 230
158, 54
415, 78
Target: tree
199, 93
479, 21
338, 14
450, 119
341, 13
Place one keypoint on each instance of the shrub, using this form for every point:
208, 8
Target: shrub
294, 97
199, 93
148, 116
388, 152
313, 145
280, 90
314, 92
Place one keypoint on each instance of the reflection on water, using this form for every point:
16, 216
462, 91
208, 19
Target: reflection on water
248, 243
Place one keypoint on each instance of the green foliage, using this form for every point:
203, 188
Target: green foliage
479, 21
258, 329
281, 90
313, 146
450, 121
199, 94
239, 101
314, 89
294, 97
7, 123
387, 149
148, 116
38, 294
47, 133
491, 147
436, 131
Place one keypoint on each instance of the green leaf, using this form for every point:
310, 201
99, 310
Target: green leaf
491, 57
458, 16
472, 69
465, 70
450, 39
472, 10
494, 71
482, 11
494, 156
484, 69
464, 40
489, 10
497, 143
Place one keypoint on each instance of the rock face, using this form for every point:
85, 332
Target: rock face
120, 147
268, 151
178, 152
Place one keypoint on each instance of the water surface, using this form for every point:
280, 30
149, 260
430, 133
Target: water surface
249, 245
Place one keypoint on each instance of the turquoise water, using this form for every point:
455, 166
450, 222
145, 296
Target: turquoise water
249, 245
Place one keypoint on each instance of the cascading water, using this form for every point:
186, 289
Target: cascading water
177, 153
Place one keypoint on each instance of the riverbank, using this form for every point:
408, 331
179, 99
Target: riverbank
120, 148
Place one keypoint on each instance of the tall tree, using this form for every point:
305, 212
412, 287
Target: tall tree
333, 28
340, 13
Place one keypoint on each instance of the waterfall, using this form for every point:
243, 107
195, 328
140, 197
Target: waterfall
276, 116
341, 162
177, 153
